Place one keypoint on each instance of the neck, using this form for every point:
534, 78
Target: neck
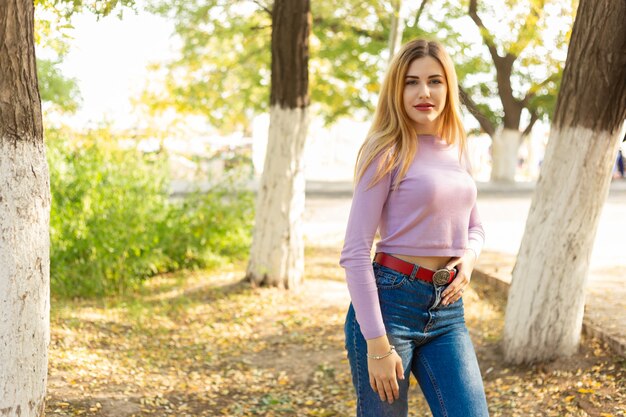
431, 129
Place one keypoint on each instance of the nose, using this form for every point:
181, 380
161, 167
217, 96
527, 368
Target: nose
423, 91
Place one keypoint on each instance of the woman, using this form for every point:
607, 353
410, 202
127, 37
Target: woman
413, 185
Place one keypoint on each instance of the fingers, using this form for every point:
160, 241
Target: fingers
378, 386
454, 292
387, 389
386, 384
380, 389
391, 392
399, 370
453, 262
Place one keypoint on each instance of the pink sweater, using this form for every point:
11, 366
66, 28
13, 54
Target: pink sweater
431, 213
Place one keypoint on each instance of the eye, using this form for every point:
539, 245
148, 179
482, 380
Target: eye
436, 81
410, 82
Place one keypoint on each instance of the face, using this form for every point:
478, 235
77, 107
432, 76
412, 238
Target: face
425, 91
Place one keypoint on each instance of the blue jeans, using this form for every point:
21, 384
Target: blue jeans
434, 345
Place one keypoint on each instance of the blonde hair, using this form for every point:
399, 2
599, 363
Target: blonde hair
392, 134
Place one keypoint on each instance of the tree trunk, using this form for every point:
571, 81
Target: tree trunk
24, 220
505, 146
277, 252
546, 299
397, 28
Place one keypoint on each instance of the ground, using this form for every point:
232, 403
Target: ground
206, 344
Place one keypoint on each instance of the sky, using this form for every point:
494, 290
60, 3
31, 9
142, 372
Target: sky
108, 58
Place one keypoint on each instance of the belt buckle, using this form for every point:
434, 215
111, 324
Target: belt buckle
441, 277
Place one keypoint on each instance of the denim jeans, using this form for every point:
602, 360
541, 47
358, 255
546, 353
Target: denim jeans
434, 345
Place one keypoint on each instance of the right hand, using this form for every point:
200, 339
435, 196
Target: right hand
384, 374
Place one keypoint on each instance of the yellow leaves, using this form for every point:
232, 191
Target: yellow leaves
231, 351
321, 412
95, 408
283, 379
586, 391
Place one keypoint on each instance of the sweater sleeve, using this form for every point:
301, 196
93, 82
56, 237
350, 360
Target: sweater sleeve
365, 214
475, 232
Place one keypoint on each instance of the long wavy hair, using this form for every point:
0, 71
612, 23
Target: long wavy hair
392, 134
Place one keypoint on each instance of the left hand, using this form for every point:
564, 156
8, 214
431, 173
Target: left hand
465, 266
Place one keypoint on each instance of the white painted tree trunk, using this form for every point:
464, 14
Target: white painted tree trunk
546, 299
24, 277
277, 252
504, 151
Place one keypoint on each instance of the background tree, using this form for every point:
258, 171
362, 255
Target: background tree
223, 68
61, 93
52, 33
507, 139
277, 252
546, 299
518, 77
508, 86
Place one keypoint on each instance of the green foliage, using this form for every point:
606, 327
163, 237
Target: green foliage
54, 88
224, 68
64, 9
535, 33
52, 33
347, 47
113, 225
223, 71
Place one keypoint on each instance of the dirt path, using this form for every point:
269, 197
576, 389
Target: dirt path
204, 344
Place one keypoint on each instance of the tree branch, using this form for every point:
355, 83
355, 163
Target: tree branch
533, 118
336, 27
532, 91
263, 7
504, 67
258, 27
419, 13
484, 122
483, 32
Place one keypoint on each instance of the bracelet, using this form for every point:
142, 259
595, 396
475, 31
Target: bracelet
391, 349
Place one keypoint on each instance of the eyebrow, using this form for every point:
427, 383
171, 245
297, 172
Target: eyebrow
429, 77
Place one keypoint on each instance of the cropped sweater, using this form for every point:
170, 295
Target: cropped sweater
432, 212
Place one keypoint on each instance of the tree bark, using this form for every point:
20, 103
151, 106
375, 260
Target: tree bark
546, 300
277, 252
24, 220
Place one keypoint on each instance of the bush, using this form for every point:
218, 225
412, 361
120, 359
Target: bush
113, 225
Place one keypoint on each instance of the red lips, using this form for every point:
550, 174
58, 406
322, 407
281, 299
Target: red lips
424, 105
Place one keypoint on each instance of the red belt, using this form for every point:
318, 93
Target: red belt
439, 277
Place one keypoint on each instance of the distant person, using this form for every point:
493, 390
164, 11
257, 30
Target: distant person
620, 159
412, 184
618, 166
